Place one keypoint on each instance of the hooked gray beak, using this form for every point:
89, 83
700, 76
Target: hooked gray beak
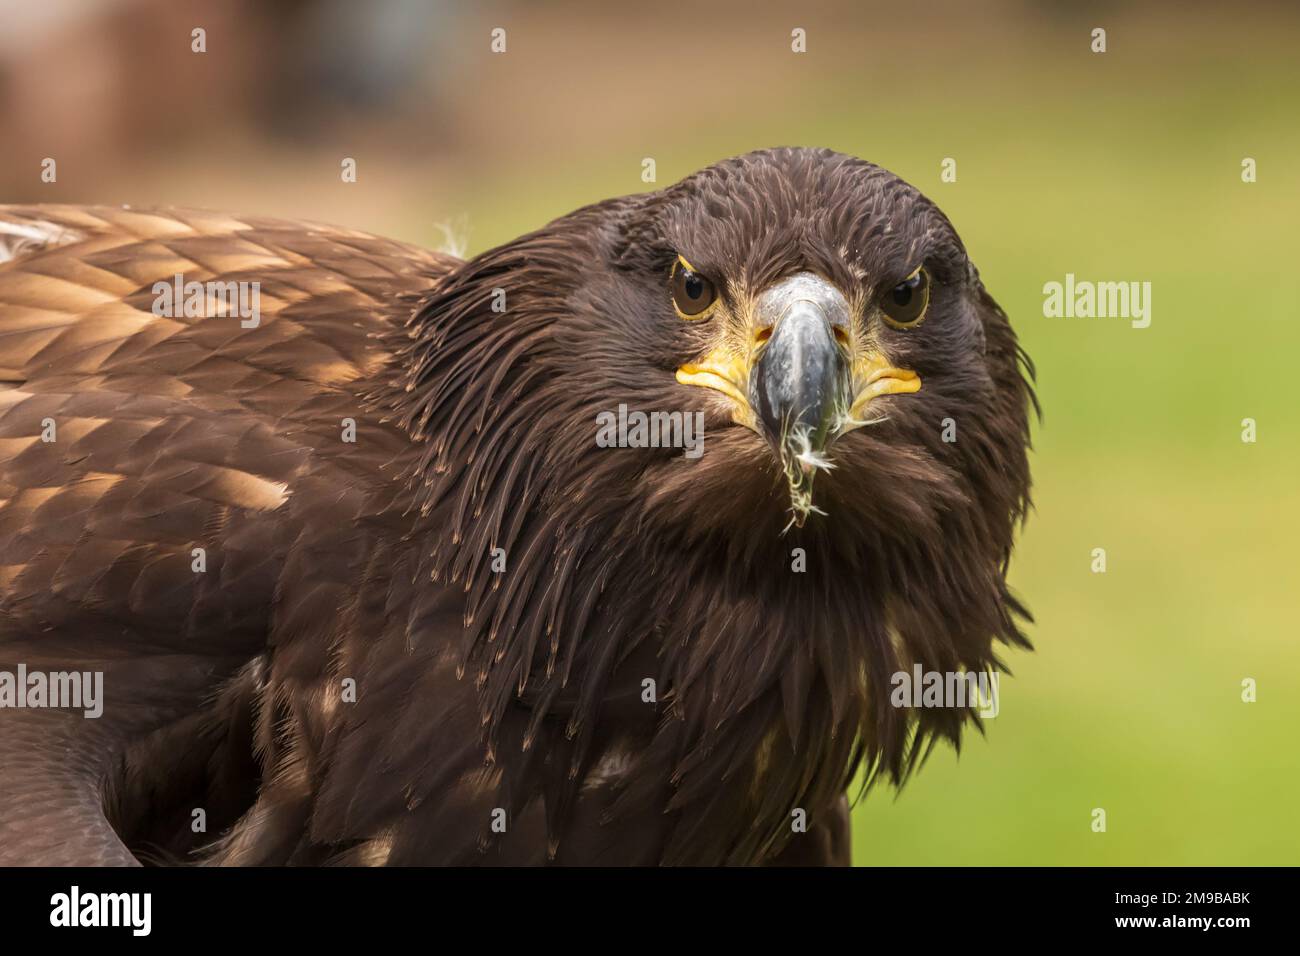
801, 380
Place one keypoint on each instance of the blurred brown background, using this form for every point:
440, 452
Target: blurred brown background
410, 88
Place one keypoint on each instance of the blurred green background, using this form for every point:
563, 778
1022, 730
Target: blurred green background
1117, 166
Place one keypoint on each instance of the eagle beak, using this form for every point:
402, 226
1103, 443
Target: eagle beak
800, 382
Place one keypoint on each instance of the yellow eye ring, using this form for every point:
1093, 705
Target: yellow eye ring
904, 306
694, 296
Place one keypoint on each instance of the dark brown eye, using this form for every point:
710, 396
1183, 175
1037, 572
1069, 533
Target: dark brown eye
693, 294
904, 304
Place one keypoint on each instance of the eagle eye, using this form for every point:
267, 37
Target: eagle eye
904, 305
693, 294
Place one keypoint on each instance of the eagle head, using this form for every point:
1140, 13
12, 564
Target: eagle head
817, 313
809, 296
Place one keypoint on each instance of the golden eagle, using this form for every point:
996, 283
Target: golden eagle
327, 517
